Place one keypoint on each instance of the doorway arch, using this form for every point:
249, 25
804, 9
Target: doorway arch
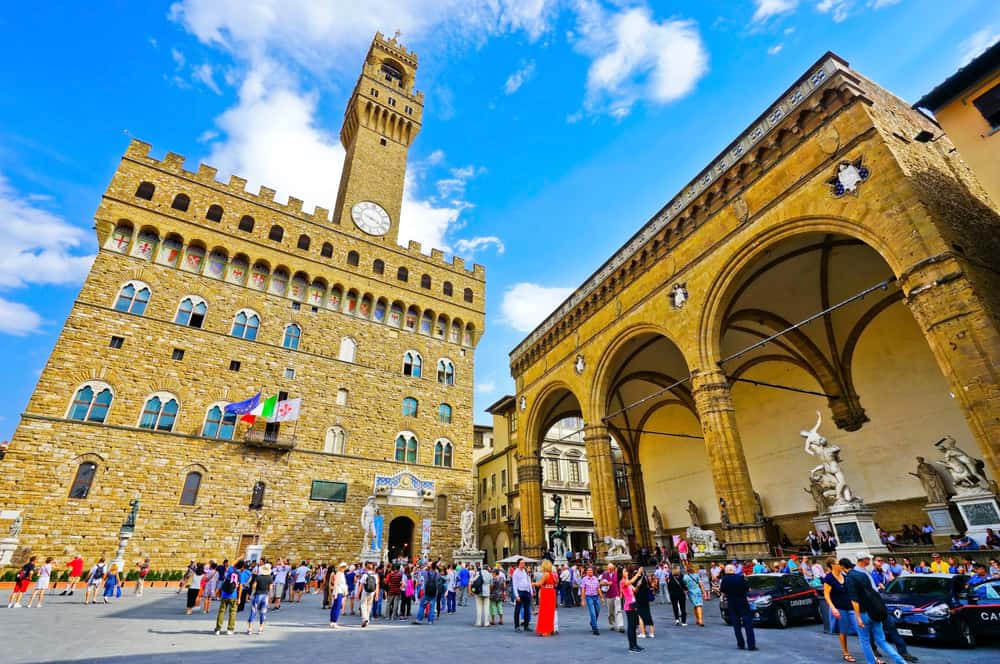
401, 538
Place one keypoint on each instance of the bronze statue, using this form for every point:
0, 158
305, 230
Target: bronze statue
693, 511
130, 520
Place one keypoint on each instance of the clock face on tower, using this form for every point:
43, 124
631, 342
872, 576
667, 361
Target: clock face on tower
371, 218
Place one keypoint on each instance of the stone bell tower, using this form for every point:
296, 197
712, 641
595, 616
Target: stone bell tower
383, 117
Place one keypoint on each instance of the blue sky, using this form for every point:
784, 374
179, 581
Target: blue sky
553, 128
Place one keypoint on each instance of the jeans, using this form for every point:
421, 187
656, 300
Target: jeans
632, 623
226, 605
891, 634
663, 592
366, 606
426, 608
338, 604
742, 619
258, 607
482, 610
377, 606
522, 610
393, 606
615, 618
594, 609
872, 631
451, 601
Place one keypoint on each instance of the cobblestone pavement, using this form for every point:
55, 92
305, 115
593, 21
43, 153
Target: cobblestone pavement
154, 630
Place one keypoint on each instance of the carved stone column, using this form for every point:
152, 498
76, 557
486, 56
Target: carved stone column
529, 480
640, 517
714, 401
604, 497
965, 340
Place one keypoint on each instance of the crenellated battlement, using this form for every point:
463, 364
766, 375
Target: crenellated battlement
139, 151
392, 45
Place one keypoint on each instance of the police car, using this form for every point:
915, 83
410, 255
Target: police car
941, 607
779, 600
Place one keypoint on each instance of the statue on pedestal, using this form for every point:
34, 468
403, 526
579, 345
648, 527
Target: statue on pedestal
617, 548
368, 513
818, 495
468, 528
657, 520
828, 473
967, 472
758, 515
133, 513
723, 513
693, 511
15, 526
931, 480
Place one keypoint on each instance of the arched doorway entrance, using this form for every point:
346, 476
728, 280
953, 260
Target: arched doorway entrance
401, 538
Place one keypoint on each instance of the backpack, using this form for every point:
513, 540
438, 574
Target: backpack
870, 601
409, 587
477, 584
431, 584
20, 576
98, 572
229, 584
370, 583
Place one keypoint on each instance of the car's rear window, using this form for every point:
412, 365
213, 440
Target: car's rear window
764, 582
920, 585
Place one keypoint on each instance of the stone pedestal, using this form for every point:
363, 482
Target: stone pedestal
618, 559
980, 511
8, 545
374, 557
939, 516
855, 532
822, 523
468, 557
124, 535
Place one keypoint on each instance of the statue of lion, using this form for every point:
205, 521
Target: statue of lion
616, 547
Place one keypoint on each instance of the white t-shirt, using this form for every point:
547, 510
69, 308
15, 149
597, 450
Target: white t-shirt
281, 574
301, 573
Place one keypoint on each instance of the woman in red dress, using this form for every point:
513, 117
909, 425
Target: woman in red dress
546, 600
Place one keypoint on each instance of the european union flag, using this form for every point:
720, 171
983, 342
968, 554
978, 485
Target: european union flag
243, 407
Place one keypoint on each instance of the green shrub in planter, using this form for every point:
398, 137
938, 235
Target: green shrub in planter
132, 575
152, 576
8, 575
64, 576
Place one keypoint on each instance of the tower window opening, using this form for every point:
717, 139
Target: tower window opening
392, 73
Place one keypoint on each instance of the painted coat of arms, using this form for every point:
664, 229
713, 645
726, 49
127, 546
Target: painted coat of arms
849, 176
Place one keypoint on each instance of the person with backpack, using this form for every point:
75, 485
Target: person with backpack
21, 583
498, 593
428, 594
369, 589
229, 588
407, 591
869, 612
480, 589
140, 581
94, 581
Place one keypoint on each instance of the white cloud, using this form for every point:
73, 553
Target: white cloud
879, 4
204, 74
525, 304
976, 44
178, 58
469, 247
17, 319
635, 57
776, 49
519, 78
768, 8
486, 387
838, 9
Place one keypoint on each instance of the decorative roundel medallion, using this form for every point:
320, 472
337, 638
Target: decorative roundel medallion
371, 218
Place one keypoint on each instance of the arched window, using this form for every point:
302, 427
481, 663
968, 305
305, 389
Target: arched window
402, 274
342, 395
467, 295
159, 413
409, 407
191, 312
348, 349
246, 324
91, 402
189, 494
446, 372
353, 258
406, 447
425, 281
336, 440
412, 363
378, 266
292, 334
303, 242
447, 288
276, 233
442, 453
219, 424
246, 223
145, 191
444, 413
181, 202
133, 298
327, 250
121, 237
85, 473
214, 213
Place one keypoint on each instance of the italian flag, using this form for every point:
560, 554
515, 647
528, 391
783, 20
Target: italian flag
264, 409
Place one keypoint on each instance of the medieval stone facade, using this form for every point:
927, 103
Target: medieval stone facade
202, 294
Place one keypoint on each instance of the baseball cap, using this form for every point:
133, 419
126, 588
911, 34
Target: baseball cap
342, 565
863, 555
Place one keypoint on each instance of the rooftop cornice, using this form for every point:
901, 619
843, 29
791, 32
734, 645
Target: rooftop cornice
809, 84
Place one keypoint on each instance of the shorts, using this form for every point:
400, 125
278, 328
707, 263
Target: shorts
277, 589
496, 608
643, 612
42, 584
22, 586
299, 586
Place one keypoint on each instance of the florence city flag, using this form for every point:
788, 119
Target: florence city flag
264, 409
287, 410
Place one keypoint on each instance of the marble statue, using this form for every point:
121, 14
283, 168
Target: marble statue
817, 492
967, 472
703, 541
758, 515
723, 513
679, 296
559, 544
657, 520
368, 513
693, 511
828, 473
616, 547
931, 481
468, 527
15, 526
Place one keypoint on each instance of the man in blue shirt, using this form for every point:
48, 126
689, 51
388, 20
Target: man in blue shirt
980, 576
463, 584
229, 589
245, 576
